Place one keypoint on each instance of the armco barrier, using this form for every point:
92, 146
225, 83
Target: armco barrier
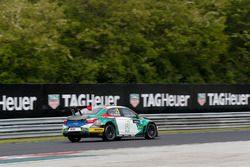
30, 127
38, 127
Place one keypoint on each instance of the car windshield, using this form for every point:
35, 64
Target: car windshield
94, 111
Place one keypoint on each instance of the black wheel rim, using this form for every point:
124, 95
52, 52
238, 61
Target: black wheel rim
110, 132
151, 130
74, 139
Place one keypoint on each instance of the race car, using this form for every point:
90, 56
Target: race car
108, 122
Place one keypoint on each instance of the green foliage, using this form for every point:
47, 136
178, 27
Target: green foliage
29, 41
237, 63
124, 41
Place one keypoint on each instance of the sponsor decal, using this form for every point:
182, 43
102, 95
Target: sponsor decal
96, 130
136, 121
223, 99
139, 126
134, 99
54, 100
230, 99
165, 100
160, 100
70, 100
89, 99
201, 98
24, 103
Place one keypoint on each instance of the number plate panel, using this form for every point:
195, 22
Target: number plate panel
75, 129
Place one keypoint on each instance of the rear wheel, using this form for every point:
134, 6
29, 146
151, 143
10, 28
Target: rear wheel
109, 132
118, 138
74, 138
151, 131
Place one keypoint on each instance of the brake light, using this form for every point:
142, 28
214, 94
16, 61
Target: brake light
65, 122
91, 120
89, 108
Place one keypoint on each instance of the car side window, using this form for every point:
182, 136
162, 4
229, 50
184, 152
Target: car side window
127, 113
114, 112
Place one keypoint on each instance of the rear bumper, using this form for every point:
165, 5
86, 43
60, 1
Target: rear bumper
85, 132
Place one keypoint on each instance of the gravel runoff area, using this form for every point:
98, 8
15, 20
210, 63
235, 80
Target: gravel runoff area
228, 154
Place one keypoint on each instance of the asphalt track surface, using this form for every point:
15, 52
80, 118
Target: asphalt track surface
98, 144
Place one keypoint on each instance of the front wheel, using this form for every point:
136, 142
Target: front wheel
109, 133
74, 138
151, 131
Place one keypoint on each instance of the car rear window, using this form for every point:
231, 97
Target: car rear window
94, 111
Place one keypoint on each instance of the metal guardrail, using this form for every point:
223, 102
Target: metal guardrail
38, 127
30, 127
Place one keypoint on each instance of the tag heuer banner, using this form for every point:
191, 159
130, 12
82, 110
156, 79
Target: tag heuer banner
47, 100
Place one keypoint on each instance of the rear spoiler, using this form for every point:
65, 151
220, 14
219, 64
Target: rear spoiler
75, 109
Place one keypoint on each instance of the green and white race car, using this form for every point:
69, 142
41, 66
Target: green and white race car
108, 122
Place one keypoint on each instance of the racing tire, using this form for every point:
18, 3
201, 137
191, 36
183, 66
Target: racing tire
74, 139
118, 138
151, 131
109, 133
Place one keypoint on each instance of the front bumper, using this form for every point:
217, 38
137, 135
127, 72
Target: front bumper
84, 132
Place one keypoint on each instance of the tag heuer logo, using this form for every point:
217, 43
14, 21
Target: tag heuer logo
54, 100
134, 99
201, 98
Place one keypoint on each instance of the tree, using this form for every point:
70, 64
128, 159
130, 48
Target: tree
124, 41
237, 63
149, 41
29, 41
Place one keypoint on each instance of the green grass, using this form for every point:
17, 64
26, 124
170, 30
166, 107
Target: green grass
57, 138
31, 139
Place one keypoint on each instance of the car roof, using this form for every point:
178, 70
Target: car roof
109, 107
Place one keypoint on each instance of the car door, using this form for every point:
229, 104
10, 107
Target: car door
121, 122
132, 122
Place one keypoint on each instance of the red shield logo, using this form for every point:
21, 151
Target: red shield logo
201, 98
134, 99
54, 100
